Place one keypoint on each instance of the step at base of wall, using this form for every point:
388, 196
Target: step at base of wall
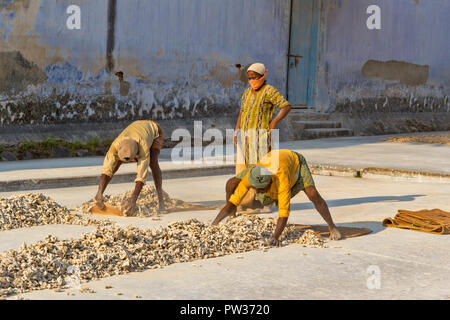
309, 134
316, 124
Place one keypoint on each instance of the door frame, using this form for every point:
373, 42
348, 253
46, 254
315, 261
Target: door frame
314, 53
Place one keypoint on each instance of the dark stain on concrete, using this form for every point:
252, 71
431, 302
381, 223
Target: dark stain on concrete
407, 73
16, 73
110, 41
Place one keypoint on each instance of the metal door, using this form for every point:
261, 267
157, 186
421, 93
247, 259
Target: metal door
303, 52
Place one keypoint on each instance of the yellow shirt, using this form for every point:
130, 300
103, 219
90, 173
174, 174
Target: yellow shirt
285, 167
143, 132
258, 109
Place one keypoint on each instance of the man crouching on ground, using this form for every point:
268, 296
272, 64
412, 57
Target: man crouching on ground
140, 142
277, 183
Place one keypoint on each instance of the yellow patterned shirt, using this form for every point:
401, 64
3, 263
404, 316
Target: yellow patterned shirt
257, 112
258, 109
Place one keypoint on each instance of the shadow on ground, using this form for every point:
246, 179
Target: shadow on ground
355, 201
217, 203
307, 205
375, 226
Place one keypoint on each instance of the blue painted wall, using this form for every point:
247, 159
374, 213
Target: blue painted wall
189, 49
413, 31
179, 57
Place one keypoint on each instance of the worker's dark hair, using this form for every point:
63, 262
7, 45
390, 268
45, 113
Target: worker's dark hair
119, 73
257, 74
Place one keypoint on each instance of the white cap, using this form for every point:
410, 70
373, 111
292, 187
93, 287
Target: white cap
258, 68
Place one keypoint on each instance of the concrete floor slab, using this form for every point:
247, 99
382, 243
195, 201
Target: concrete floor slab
350, 152
412, 265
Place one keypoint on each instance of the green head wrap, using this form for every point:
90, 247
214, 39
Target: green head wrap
259, 177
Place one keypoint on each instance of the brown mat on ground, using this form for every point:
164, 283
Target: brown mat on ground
432, 221
109, 211
346, 232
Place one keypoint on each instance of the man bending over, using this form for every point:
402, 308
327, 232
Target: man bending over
140, 142
276, 182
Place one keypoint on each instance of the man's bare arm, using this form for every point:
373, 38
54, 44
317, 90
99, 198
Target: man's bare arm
137, 191
283, 113
128, 206
229, 209
104, 181
281, 224
157, 177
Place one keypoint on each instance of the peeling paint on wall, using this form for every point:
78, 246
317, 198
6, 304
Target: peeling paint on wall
17, 73
179, 58
362, 68
100, 98
404, 72
392, 104
188, 59
17, 21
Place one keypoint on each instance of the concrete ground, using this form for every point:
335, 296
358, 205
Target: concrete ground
349, 152
408, 264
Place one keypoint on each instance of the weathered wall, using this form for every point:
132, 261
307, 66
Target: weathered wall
180, 58
403, 67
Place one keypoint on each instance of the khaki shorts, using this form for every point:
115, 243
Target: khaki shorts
158, 142
305, 178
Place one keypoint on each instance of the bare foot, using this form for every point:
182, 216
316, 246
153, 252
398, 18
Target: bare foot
162, 209
335, 234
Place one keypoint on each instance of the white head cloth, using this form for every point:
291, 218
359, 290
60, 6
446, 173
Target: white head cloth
258, 68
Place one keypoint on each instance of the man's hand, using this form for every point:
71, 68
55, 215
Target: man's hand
104, 181
227, 210
281, 224
100, 201
235, 137
274, 242
128, 207
272, 125
335, 234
